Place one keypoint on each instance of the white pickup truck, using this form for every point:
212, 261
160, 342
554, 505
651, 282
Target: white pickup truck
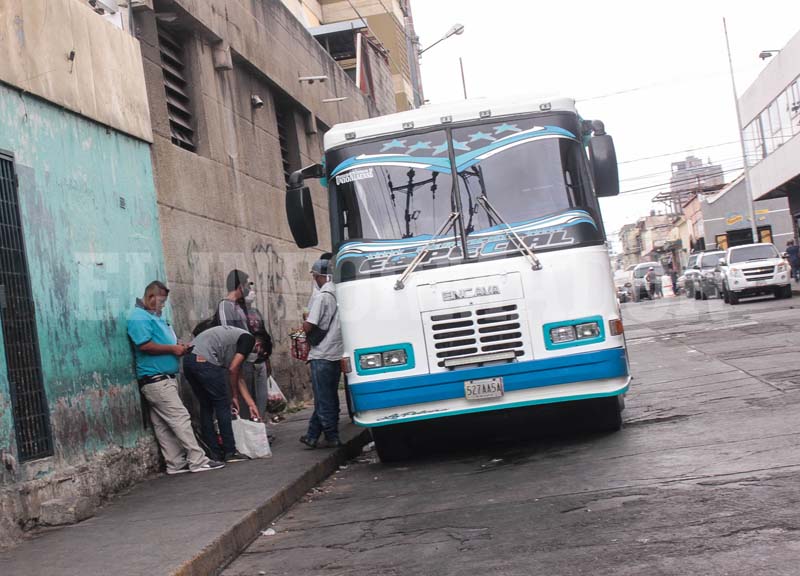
754, 270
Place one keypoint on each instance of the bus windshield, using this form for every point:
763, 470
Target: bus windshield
401, 187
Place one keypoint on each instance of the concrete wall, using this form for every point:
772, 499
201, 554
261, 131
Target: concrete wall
88, 258
223, 206
103, 81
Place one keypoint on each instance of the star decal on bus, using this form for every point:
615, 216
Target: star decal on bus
460, 146
506, 128
440, 148
419, 146
481, 136
393, 144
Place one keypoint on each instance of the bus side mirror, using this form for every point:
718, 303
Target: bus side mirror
604, 162
300, 208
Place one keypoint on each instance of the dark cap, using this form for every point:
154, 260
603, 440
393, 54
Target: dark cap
235, 279
320, 267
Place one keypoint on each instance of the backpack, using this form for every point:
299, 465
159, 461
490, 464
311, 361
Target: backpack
210, 322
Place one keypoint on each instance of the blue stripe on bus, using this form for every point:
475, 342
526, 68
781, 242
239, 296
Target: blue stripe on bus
394, 392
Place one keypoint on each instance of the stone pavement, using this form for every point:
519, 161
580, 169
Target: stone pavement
190, 524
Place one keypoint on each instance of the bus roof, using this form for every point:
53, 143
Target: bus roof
432, 114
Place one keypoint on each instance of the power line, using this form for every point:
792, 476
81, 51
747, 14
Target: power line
667, 185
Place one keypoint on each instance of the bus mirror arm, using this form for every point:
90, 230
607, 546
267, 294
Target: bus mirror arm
401, 282
512, 234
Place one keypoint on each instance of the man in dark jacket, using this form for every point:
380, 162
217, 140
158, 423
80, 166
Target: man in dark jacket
793, 253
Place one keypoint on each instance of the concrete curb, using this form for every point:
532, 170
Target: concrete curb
217, 555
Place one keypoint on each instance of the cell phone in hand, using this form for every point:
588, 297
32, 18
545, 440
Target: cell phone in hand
189, 348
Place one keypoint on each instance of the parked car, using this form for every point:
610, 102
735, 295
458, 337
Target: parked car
691, 277
753, 270
622, 281
709, 281
640, 288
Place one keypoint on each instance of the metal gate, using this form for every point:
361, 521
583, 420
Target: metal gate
18, 318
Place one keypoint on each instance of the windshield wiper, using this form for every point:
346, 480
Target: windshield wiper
511, 233
401, 282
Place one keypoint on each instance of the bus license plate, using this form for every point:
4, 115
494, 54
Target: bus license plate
482, 389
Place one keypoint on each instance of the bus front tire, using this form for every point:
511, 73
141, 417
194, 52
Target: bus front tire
607, 413
391, 443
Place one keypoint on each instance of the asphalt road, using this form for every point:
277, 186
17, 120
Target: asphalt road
703, 479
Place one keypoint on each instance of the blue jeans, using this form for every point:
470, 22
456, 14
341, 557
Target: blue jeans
325, 385
210, 385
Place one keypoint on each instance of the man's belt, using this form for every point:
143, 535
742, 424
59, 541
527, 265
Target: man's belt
155, 378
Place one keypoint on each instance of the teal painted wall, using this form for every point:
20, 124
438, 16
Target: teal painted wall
89, 259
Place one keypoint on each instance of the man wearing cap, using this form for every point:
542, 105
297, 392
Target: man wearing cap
157, 351
325, 359
213, 368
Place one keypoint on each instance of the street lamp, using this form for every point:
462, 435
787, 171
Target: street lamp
764, 54
747, 187
456, 30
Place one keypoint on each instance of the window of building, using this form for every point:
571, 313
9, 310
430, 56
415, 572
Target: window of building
177, 89
29, 409
765, 234
287, 136
722, 241
785, 115
774, 134
794, 105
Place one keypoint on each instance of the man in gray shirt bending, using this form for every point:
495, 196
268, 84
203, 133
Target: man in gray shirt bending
213, 369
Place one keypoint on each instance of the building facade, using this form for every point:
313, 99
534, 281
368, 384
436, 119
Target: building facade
79, 239
240, 95
389, 22
770, 110
726, 218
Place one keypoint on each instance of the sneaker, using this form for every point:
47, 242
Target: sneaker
183, 470
210, 465
310, 444
236, 457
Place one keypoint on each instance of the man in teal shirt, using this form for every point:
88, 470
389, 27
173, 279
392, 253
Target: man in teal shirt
157, 365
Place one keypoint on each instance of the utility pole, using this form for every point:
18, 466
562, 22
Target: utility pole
753, 224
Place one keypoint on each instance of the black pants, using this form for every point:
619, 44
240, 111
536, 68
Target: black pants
210, 385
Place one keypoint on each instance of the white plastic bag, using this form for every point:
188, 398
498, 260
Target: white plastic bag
251, 438
276, 401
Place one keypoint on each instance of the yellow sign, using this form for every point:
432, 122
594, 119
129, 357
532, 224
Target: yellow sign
734, 219
763, 211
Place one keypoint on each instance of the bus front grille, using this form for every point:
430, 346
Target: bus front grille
477, 330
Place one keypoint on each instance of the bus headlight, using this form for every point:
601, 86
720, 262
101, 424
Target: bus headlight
394, 358
587, 330
384, 358
562, 334
370, 361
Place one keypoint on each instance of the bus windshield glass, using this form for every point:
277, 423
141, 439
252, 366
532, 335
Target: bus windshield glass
525, 170
401, 187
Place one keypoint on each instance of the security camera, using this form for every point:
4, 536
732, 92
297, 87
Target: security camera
312, 79
256, 101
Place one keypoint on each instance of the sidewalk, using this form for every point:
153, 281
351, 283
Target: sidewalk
190, 524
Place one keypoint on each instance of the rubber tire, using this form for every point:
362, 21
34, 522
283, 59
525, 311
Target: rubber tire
703, 295
783, 292
697, 295
724, 295
733, 299
607, 413
787, 291
391, 443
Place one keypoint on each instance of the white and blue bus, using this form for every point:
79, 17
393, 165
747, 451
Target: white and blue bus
471, 267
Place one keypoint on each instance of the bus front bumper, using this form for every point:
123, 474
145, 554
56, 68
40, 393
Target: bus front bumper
551, 380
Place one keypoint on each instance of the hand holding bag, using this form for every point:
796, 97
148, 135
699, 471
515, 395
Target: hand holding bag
251, 438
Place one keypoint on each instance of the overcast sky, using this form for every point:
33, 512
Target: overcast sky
655, 72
